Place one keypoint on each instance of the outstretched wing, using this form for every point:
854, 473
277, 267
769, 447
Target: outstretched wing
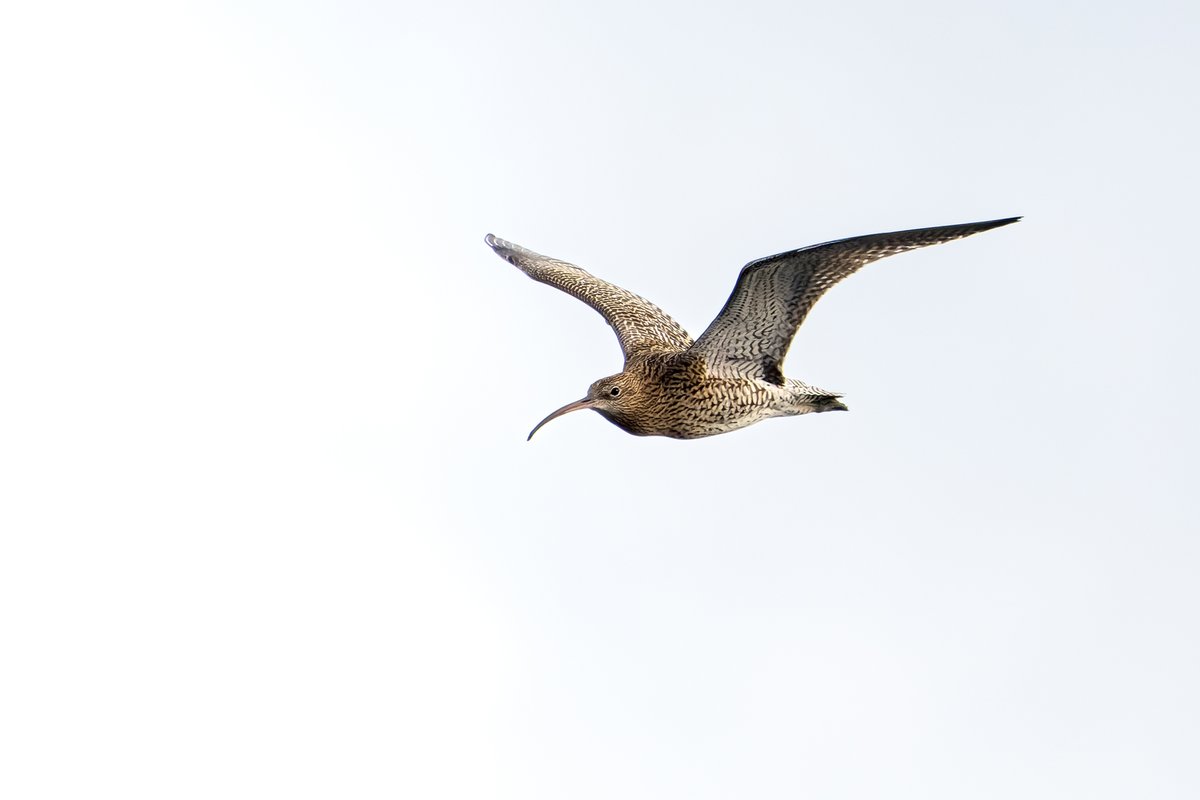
752, 333
640, 325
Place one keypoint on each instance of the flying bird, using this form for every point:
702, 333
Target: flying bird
731, 376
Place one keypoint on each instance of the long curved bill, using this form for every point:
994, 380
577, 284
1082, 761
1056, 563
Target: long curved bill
567, 409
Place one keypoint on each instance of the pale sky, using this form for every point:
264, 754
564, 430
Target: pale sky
270, 526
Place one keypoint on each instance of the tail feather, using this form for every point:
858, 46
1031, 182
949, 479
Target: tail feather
807, 399
828, 402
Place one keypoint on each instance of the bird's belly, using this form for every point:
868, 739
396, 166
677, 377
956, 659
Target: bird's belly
717, 407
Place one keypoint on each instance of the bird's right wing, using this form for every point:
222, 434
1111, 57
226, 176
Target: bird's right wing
752, 333
640, 325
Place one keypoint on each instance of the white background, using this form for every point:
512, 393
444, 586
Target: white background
270, 527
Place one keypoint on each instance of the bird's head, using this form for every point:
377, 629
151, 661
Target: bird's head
615, 397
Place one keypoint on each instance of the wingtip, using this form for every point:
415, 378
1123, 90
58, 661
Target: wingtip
987, 225
502, 247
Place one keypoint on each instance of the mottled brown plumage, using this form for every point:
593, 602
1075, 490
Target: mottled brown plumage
732, 375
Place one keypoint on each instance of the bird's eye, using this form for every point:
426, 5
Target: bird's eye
614, 391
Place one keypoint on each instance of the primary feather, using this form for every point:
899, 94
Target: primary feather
773, 295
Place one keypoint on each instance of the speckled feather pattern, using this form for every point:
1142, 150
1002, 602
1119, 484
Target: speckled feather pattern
731, 376
639, 324
679, 396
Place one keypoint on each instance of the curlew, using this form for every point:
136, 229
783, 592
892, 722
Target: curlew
732, 375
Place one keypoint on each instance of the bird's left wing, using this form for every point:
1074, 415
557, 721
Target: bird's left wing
752, 333
640, 325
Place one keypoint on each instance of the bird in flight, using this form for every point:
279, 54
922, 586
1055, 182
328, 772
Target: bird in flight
731, 376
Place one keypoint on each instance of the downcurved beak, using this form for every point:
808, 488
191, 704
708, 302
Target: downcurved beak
567, 409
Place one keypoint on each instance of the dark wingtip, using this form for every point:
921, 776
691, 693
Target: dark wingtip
970, 228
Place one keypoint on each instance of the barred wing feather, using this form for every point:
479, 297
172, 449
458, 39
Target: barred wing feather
639, 324
773, 295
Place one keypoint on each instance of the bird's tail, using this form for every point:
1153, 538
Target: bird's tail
811, 400
828, 402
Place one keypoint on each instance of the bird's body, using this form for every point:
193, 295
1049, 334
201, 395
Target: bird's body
731, 376
678, 395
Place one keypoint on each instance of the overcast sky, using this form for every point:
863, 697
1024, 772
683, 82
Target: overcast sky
270, 526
